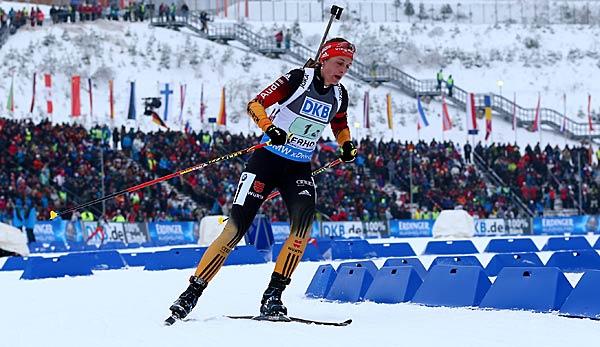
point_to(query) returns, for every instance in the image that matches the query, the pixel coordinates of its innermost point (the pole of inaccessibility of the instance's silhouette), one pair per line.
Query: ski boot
(187, 300)
(271, 307)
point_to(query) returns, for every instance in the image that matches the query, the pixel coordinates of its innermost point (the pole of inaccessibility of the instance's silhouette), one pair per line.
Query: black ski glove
(277, 135)
(349, 152)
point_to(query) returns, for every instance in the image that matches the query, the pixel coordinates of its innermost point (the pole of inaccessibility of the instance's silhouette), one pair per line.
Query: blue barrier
(15, 263)
(36, 247)
(399, 249)
(148, 244)
(532, 288)
(321, 282)
(350, 284)
(351, 249)
(55, 267)
(450, 247)
(511, 246)
(584, 300)
(75, 246)
(455, 286)
(500, 261)
(566, 243)
(113, 245)
(394, 284)
(597, 244)
(367, 264)
(100, 260)
(133, 245)
(137, 259)
(57, 246)
(311, 253)
(464, 260)
(414, 262)
(178, 258)
(575, 261)
(245, 255)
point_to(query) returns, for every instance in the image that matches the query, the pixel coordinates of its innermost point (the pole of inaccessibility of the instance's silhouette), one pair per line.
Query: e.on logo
(315, 109)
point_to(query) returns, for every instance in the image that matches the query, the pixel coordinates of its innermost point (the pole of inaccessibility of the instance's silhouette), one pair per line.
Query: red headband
(337, 49)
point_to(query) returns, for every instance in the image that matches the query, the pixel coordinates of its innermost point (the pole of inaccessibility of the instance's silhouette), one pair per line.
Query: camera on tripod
(150, 104)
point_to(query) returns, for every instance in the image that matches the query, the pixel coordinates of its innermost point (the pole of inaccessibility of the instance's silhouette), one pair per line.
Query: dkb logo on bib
(315, 109)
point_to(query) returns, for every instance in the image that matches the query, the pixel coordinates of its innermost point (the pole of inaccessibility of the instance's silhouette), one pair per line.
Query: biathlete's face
(334, 69)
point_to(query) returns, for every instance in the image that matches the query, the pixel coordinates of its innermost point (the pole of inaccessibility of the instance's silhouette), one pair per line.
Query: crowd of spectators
(548, 179)
(53, 167)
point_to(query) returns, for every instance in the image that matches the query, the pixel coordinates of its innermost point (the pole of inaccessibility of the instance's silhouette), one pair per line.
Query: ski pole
(54, 214)
(336, 12)
(314, 173)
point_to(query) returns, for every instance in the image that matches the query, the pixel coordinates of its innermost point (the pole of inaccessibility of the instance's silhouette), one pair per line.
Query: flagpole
(565, 116)
(540, 120)
(515, 115)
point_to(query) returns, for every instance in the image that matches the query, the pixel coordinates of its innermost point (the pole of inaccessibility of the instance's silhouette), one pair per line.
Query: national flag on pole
(514, 112)
(111, 99)
(446, 120)
(536, 120)
(590, 113)
(202, 105)
(222, 118)
(188, 127)
(48, 91)
(10, 103)
(156, 119)
(563, 126)
(471, 115)
(390, 116)
(366, 110)
(422, 118)
(91, 97)
(33, 94)
(166, 92)
(182, 90)
(487, 102)
(75, 96)
(131, 112)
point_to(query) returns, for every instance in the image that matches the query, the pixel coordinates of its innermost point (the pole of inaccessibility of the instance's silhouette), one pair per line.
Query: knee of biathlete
(250, 194)
(300, 198)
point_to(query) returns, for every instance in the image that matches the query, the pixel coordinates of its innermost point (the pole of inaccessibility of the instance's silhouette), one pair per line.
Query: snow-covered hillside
(477, 57)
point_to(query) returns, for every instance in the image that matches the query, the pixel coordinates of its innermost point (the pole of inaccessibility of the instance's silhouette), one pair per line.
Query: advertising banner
(177, 232)
(410, 228)
(58, 230)
(561, 225)
(497, 226)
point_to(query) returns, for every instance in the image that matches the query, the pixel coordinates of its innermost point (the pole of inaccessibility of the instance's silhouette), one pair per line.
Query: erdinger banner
(561, 225)
(58, 230)
(281, 230)
(172, 231)
(410, 228)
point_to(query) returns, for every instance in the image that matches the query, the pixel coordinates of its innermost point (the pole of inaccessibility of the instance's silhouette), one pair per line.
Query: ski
(171, 320)
(287, 319)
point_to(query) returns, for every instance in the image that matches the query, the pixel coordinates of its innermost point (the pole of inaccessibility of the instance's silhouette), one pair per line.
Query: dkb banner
(497, 226)
(171, 231)
(342, 229)
(560, 225)
(410, 228)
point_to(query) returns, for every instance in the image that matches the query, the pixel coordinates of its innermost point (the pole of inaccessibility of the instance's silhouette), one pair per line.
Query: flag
(366, 110)
(487, 102)
(33, 95)
(563, 126)
(222, 118)
(156, 119)
(390, 116)
(590, 113)
(446, 120)
(131, 112)
(202, 105)
(471, 115)
(514, 115)
(182, 89)
(422, 117)
(166, 92)
(91, 97)
(111, 99)
(10, 103)
(48, 90)
(75, 97)
(188, 127)
(536, 120)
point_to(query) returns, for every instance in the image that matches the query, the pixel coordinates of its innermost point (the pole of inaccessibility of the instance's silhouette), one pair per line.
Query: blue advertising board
(561, 225)
(171, 231)
(410, 228)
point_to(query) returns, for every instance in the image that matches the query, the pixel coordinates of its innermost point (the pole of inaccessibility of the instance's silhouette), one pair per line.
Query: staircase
(492, 179)
(224, 32)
